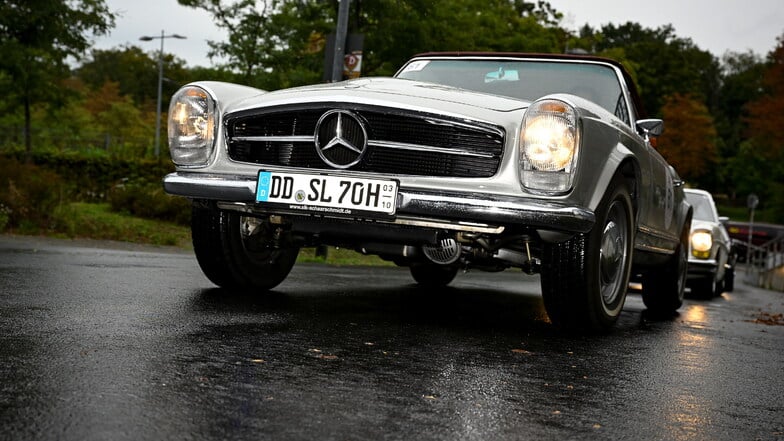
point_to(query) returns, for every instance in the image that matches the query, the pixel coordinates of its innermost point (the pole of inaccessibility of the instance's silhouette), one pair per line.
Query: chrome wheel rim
(613, 253)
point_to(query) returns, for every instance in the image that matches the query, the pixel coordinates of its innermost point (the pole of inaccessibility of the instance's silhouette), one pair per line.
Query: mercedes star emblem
(341, 138)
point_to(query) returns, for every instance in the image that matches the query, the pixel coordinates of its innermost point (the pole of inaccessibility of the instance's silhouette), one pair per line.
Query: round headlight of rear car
(701, 244)
(191, 126)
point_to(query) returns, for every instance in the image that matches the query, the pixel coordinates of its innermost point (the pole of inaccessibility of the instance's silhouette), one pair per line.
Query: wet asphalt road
(100, 343)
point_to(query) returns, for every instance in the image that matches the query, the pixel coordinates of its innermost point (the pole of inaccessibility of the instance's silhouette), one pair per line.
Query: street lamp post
(160, 87)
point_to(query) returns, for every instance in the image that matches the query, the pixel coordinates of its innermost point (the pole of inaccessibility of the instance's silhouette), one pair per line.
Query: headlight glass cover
(549, 141)
(701, 244)
(191, 126)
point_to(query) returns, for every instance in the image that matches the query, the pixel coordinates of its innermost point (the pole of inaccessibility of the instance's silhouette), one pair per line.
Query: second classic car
(487, 161)
(711, 253)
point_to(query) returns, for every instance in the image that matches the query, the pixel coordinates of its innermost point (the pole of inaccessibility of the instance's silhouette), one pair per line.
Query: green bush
(29, 194)
(91, 175)
(97, 221)
(148, 200)
(31, 190)
(5, 216)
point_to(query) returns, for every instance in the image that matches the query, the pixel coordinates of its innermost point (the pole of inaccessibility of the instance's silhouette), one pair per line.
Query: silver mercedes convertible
(486, 161)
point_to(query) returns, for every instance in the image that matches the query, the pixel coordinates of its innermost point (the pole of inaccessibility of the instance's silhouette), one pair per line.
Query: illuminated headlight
(191, 126)
(549, 146)
(701, 244)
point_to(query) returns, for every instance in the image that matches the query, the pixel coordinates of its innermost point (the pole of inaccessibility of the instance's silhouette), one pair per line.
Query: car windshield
(703, 206)
(524, 79)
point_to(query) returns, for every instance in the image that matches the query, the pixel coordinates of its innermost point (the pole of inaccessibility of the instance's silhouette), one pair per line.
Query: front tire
(233, 251)
(585, 279)
(729, 279)
(705, 288)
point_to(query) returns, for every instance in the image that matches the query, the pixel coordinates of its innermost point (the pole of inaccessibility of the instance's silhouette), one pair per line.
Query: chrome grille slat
(274, 138)
(422, 147)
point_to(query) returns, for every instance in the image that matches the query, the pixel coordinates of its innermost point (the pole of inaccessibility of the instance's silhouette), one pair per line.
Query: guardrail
(765, 264)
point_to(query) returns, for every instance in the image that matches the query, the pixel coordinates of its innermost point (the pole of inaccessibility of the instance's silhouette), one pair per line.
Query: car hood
(393, 92)
(697, 224)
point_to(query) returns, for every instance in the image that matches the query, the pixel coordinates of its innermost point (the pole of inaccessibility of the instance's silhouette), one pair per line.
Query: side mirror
(650, 129)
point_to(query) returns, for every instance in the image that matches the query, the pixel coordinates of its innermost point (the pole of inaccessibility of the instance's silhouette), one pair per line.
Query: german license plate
(327, 194)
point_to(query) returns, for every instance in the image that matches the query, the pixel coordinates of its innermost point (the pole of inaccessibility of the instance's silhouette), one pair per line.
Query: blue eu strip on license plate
(327, 193)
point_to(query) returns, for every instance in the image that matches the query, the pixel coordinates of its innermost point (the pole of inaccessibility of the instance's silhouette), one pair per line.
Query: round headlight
(701, 241)
(549, 142)
(191, 126)
(548, 145)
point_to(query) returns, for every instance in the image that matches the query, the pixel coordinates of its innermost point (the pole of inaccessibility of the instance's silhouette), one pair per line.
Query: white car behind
(711, 268)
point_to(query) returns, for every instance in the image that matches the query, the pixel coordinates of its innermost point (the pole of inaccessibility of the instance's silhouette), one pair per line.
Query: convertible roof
(548, 56)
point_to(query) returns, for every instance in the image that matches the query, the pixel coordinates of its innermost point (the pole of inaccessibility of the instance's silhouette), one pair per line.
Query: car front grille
(398, 142)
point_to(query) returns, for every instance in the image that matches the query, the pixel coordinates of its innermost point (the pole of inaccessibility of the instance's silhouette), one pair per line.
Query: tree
(666, 64)
(36, 39)
(395, 30)
(689, 138)
(135, 73)
(741, 83)
(765, 118)
(122, 127)
(766, 113)
(749, 172)
(267, 39)
(280, 43)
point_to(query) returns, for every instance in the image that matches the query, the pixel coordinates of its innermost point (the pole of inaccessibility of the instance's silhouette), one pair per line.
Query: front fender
(604, 152)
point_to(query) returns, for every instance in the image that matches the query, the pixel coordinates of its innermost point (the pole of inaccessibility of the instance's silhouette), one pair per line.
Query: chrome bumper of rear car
(700, 268)
(414, 207)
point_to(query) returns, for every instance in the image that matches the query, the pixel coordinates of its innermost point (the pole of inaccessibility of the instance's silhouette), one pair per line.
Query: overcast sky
(713, 25)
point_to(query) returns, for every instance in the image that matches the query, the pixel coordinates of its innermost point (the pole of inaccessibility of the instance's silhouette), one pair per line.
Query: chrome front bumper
(422, 206)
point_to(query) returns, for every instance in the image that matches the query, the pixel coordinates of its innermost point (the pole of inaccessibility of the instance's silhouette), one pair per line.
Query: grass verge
(97, 221)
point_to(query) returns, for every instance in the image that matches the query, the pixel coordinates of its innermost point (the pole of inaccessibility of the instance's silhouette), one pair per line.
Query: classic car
(711, 268)
(459, 161)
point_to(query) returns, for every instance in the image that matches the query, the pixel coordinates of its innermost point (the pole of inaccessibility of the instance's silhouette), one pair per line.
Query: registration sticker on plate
(327, 194)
